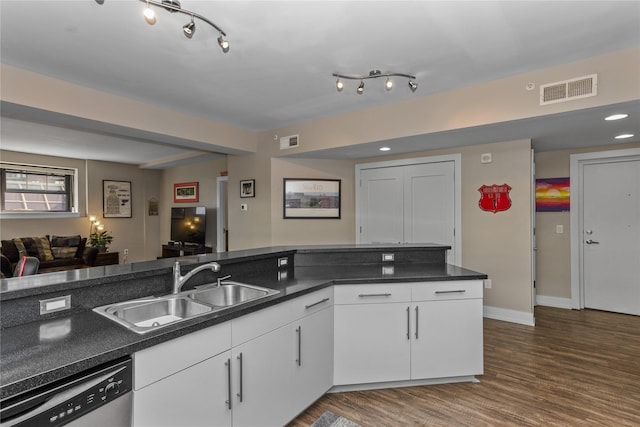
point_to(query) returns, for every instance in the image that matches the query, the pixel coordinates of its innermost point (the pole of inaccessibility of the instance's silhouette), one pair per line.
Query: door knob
(592, 242)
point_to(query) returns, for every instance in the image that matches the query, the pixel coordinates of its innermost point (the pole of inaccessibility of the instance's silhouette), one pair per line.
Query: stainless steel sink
(148, 314)
(145, 315)
(229, 294)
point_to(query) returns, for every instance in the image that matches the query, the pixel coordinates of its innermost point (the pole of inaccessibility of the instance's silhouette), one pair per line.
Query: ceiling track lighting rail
(374, 74)
(190, 27)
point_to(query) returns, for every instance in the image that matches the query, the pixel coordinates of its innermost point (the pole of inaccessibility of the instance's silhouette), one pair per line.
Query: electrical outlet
(244, 207)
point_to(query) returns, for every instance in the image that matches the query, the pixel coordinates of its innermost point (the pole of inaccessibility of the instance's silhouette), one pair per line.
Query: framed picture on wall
(116, 199)
(248, 188)
(185, 192)
(311, 198)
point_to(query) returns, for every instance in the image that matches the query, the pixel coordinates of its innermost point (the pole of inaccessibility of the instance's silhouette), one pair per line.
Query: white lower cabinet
(196, 396)
(371, 343)
(185, 381)
(434, 332)
(313, 358)
(262, 380)
(449, 341)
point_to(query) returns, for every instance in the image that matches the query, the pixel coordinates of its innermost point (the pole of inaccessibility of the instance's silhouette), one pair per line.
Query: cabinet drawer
(258, 323)
(372, 293)
(459, 289)
(313, 302)
(160, 361)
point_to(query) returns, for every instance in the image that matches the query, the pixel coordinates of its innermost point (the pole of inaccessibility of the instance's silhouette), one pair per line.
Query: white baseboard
(556, 302)
(513, 316)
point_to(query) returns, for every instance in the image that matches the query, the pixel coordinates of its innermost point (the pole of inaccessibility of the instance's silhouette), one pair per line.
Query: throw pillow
(65, 246)
(35, 246)
(22, 251)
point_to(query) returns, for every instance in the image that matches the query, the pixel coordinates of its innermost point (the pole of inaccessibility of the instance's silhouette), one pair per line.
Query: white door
(409, 204)
(381, 205)
(611, 236)
(429, 203)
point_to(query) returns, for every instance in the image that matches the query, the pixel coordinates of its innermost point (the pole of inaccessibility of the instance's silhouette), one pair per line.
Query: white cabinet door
(447, 339)
(371, 343)
(313, 358)
(196, 396)
(261, 379)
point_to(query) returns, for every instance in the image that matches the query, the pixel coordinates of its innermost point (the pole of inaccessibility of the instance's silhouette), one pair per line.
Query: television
(189, 225)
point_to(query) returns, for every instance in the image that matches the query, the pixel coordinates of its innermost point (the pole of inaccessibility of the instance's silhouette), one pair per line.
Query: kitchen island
(39, 350)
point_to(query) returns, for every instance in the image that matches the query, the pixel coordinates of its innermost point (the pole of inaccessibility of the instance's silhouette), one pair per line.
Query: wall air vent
(568, 90)
(291, 141)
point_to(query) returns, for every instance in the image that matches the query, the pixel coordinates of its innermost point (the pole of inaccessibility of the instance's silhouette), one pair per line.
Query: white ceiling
(278, 69)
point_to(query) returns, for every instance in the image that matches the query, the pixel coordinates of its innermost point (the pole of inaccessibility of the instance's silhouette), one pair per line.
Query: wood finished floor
(574, 368)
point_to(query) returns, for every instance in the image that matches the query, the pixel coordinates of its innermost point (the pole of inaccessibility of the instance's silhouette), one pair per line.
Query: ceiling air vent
(581, 87)
(289, 142)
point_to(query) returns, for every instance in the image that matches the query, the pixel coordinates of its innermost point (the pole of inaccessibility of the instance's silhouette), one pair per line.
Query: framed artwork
(185, 192)
(553, 195)
(311, 198)
(116, 199)
(248, 188)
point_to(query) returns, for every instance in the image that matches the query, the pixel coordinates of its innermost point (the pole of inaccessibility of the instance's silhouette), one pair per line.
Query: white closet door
(381, 205)
(429, 203)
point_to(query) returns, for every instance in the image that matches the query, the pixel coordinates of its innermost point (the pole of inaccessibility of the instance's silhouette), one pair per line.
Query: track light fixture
(224, 44)
(188, 29)
(374, 74)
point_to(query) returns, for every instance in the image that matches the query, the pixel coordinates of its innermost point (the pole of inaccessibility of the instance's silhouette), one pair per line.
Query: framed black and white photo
(311, 198)
(248, 188)
(116, 199)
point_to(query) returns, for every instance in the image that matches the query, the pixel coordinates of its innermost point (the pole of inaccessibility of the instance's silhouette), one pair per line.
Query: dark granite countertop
(42, 352)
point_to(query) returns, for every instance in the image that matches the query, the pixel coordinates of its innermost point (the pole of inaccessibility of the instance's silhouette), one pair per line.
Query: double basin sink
(148, 314)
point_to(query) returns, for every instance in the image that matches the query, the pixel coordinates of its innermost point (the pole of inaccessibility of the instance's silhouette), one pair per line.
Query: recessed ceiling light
(625, 136)
(385, 148)
(616, 117)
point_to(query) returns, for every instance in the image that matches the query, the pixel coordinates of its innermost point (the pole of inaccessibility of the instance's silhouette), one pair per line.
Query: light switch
(559, 229)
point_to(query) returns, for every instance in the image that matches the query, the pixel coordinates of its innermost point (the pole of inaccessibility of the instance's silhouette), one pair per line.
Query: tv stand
(172, 251)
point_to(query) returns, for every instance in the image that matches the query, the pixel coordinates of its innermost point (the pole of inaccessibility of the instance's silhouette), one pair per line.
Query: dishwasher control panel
(64, 402)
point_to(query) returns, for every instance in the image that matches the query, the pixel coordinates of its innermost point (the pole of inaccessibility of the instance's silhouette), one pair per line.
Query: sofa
(56, 253)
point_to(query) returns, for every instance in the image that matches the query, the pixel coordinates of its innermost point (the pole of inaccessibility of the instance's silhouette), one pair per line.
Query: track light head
(413, 86)
(100, 1)
(149, 15)
(389, 84)
(224, 44)
(360, 89)
(189, 29)
(339, 85)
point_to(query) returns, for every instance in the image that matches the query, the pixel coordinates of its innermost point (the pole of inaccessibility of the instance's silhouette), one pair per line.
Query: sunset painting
(552, 195)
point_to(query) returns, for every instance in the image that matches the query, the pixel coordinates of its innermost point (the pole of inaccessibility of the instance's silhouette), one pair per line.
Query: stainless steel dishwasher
(98, 397)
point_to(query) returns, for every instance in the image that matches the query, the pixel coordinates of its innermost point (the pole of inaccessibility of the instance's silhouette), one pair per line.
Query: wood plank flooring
(574, 368)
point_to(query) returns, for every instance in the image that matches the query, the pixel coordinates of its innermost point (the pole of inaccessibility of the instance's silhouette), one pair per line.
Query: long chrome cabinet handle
(416, 322)
(228, 365)
(316, 303)
(299, 332)
(408, 323)
(239, 394)
(374, 295)
(457, 291)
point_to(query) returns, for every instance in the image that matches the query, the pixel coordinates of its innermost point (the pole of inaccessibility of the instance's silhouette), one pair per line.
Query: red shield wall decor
(494, 198)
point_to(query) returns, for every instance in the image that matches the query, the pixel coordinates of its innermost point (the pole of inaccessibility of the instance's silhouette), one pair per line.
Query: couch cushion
(10, 251)
(66, 246)
(34, 246)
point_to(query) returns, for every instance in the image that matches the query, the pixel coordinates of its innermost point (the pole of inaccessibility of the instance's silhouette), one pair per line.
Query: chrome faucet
(179, 280)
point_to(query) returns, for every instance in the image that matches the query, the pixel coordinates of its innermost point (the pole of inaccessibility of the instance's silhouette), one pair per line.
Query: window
(29, 189)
